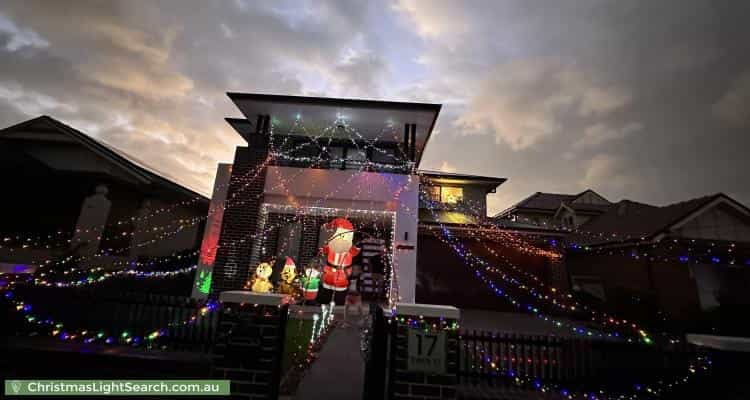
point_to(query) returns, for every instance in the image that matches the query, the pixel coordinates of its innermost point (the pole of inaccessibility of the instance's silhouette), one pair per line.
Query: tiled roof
(550, 202)
(545, 201)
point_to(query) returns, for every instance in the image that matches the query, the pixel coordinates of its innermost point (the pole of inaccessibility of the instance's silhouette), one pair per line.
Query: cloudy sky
(646, 100)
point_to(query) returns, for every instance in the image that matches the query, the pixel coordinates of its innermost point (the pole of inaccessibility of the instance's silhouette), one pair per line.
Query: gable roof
(544, 201)
(630, 219)
(551, 202)
(131, 165)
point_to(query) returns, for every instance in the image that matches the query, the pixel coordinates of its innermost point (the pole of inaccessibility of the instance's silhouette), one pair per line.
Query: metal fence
(139, 313)
(496, 358)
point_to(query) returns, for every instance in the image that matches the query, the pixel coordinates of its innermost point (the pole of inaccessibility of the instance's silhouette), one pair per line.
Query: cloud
(734, 106)
(539, 92)
(597, 101)
(608, 173)
(29, 102)
(227, 31)
(600, 133)
(524, 102)
(434, 18)
(18, 38)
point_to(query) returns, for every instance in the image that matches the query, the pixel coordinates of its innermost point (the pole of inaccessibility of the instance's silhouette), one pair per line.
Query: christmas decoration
(310, 281)
(339, 253)
(287, 283)
(124, 337)
(260, 282)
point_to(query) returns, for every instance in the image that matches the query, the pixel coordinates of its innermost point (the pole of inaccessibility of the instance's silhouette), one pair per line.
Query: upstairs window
(451, 195)
(433, 193)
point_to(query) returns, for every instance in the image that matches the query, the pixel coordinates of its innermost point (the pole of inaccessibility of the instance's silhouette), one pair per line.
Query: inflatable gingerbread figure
(339, 253)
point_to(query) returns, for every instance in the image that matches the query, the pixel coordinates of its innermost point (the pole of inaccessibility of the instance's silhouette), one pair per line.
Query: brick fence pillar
(250, 343)
(424, 352)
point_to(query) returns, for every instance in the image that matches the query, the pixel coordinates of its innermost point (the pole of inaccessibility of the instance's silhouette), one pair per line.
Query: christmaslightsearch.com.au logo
(146, 387)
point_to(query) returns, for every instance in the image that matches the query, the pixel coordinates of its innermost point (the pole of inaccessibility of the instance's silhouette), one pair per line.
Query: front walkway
(338, 373)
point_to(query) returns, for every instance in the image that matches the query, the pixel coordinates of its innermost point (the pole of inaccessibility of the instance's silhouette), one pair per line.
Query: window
(451, 195)
(354, 154)
(384, 156)
(433, 193)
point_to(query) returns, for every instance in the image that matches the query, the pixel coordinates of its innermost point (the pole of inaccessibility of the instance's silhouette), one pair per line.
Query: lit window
(451, 195)
(433, 194)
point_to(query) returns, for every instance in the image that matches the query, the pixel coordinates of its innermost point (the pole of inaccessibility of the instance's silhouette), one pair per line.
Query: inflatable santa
(339, 253)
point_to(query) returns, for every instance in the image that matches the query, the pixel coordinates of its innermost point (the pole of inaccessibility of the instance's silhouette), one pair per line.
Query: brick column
(250, 343)
(429, 372)
(240, 219)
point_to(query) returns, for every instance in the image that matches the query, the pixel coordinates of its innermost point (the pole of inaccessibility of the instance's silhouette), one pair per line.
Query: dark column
(240, 220)
(413, 143)
(407, 137)
(250, 343)
(429, 372)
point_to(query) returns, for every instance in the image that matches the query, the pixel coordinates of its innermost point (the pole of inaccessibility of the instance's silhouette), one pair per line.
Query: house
(683, 259)
(70, 196)
(455, 198)
(556, 210)
(309, 160)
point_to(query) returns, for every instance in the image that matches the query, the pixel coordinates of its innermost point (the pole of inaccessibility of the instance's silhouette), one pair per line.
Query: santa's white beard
(340, 245)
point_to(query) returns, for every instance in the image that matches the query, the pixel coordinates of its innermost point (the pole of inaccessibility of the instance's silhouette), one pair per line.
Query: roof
(242, 126)
(449, 177)
(630, 219)
(550, 203)
(374, 120)
(129, 163)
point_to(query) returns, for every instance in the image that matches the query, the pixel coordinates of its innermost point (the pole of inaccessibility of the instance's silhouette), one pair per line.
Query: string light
(125, 336)
(479, 266)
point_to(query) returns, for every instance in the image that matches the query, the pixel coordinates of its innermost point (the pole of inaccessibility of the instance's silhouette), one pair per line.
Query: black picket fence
(492, 358)
(112, 312)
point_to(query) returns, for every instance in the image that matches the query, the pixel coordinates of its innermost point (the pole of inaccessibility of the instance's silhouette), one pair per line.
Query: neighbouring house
(458, 204)
(69, 195)
(678, 261)
(455, 198)
(556, 210)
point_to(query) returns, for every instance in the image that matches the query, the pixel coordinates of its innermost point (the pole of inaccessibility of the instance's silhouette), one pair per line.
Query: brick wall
(249, 349)
(240, 217)
(415, 385)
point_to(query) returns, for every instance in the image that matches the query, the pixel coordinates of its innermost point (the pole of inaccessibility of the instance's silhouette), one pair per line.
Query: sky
(644, 100)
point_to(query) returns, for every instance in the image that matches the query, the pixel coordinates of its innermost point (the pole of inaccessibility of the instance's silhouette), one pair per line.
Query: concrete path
(338, 373)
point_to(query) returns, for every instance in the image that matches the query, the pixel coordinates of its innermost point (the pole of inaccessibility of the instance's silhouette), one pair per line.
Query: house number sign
(426, 351)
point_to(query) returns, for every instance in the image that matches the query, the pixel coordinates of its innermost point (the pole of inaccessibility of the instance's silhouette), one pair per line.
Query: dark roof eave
(139, 171)
(492, 182)
(332, 101)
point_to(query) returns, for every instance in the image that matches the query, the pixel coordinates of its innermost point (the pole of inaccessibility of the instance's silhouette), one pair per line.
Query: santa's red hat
(340, 223)
(289, 262)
